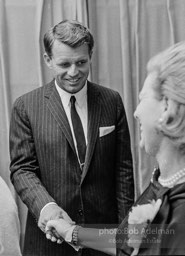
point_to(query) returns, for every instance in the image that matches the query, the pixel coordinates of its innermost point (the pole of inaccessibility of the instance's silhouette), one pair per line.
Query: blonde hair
(170, 68)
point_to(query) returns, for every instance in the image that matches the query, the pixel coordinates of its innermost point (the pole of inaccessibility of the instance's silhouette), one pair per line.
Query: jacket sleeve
(124, 166)
(24, 166)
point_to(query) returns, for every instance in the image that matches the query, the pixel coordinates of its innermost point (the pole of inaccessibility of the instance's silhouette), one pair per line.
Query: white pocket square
(106, 130)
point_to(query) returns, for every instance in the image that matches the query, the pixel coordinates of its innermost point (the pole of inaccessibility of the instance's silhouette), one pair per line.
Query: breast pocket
(103, 131)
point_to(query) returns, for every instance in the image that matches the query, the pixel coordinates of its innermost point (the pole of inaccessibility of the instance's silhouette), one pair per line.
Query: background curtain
(127, 33)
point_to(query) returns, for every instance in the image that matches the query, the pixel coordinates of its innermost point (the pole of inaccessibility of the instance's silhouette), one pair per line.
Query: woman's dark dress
(166, 233)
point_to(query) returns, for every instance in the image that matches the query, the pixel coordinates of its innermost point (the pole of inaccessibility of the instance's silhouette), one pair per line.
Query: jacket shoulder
(104, 90)
(34, 95)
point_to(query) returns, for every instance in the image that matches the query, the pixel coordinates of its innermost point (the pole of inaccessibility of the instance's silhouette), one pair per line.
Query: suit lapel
(56, 108)
(94, 112)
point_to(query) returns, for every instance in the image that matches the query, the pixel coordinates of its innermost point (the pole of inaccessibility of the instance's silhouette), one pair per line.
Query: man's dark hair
(69, 32)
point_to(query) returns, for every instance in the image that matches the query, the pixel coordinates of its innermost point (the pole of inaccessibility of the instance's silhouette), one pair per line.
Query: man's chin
(74, 88)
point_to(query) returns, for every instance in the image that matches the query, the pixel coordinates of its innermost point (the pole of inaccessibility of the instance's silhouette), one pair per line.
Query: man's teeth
(73, 80)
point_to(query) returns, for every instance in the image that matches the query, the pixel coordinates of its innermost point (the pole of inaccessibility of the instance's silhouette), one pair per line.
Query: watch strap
(75, 235)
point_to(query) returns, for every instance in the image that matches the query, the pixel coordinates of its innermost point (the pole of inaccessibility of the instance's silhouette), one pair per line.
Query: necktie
(78, 132)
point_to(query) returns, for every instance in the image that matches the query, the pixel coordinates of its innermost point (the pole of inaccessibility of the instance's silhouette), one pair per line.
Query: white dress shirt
(81, 108)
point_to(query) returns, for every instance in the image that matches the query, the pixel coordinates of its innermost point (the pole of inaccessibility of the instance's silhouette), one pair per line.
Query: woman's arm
(98, 239)
(103, 240)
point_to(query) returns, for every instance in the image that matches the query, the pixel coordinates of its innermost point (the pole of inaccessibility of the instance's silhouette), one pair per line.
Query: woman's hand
(61, 227)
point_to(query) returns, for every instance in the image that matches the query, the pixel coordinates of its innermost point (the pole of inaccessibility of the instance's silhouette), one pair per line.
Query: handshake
(56, 224)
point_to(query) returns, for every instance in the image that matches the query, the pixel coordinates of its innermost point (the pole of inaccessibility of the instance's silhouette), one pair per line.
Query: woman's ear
(170, 112)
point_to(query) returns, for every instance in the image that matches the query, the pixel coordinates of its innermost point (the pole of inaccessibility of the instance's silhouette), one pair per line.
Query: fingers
(51, 225)
(55, 225)
(50, 236)
(54, 239)
(53, 236)
(59, 241)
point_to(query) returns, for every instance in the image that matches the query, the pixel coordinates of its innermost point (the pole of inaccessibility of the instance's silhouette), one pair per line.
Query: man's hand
(52, 212)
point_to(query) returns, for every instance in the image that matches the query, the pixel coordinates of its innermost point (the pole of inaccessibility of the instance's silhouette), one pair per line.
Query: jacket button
(80, 212)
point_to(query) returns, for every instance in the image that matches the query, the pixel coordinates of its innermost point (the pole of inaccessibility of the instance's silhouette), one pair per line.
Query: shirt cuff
(46, 206)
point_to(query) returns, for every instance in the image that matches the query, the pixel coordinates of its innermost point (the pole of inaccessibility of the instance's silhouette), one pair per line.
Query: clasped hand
(60, 227)
(53, 212)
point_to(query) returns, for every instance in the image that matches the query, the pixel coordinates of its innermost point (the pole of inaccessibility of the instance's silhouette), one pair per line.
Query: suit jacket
(44, 165)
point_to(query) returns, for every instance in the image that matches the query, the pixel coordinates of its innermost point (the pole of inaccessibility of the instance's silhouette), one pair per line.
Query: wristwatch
(75, 235)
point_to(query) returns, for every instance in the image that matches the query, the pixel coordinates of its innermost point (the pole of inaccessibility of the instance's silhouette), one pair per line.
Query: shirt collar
(80, 96)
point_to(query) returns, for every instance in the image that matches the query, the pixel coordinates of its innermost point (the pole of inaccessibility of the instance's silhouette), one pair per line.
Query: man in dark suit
(70, 146)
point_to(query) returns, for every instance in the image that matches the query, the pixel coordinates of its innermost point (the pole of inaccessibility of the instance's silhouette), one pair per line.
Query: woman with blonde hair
(155, 224)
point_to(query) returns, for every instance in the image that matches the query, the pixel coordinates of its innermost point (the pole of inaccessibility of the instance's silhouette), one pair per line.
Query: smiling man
(70, 146)
(70, 66)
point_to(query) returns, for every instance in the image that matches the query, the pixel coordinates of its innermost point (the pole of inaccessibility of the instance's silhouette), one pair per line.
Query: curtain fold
(129, 55)
(39, 54)
(5, 97)
(170, 22)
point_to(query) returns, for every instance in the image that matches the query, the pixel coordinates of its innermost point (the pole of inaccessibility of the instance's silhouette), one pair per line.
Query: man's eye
(65, 65)
(81, 63)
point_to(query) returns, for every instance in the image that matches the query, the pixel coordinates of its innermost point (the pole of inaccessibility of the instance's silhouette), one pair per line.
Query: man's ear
(90, 54)
(47, 60)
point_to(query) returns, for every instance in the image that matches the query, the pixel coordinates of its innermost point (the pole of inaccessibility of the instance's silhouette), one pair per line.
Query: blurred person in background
(9, 223)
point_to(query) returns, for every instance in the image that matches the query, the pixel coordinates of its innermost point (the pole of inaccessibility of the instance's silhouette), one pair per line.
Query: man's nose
(73, 70)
